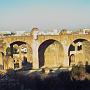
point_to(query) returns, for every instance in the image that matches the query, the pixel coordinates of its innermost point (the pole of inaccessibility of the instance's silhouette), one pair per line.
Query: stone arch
(13, 43)
(24, 50)
(50, 54)
(79, 48)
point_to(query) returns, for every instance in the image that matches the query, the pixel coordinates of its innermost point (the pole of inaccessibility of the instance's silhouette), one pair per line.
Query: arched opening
(71, 59)
(51, 54)
(79, 51)
(24, 62)
(20, 51)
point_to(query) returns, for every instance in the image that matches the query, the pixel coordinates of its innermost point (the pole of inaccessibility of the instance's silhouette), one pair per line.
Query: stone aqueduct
(47, 50)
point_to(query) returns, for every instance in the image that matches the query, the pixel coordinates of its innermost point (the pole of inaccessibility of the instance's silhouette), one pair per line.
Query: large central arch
(51, 54)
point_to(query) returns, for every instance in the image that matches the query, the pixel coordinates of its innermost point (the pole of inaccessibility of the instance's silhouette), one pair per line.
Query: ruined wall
(55, 54)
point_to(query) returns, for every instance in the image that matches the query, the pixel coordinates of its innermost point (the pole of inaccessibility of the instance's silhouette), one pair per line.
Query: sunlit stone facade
(44, 50)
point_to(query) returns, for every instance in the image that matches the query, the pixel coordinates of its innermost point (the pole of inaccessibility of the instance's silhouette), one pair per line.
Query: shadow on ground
(58, 80)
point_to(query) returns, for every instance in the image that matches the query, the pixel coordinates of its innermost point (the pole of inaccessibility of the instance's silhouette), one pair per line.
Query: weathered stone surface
(48, 50)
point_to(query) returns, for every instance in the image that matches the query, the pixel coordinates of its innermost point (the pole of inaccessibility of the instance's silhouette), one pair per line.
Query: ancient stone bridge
(43, 51)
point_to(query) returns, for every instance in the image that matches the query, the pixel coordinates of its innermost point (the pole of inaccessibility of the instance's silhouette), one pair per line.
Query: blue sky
(44, 14)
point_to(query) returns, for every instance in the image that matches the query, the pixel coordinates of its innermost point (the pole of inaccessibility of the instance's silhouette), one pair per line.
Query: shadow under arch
(72, 47)
(43, 46)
